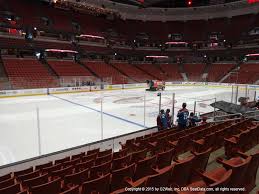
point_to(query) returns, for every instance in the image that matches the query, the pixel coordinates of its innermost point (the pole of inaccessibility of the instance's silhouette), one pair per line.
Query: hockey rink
(62, 121)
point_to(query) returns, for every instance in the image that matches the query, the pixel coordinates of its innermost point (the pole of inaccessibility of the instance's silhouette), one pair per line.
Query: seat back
(99, 170)
(53, 187)
(10, 189)
(29, 175)
(103, 159)
(60, 161)
(161, 179)
(104, 153)
(84, 165)
(121, 162)
(251, 172)
(144, 167)
(62, 172)
(5, 177)
(101, 185)
(181, 171)
(7, 183)
(73, 190)
(77, 178)
(21, 172)
(118, 176)
(41, 166)
(201, 159)
(223, 182)
(36, 181)
(94, 151)
(238, 172)
(165, 158)
(139, 155)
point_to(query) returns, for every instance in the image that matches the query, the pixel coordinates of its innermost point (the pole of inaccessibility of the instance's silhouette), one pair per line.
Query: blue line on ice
(105, 113)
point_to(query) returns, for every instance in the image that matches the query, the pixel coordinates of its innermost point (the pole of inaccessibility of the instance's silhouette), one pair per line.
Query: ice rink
(68, 120)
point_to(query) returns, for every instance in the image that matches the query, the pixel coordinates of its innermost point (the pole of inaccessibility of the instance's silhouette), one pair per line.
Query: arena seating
(150, 160)
(153, 69)
(218, 70)
(28, 73)
(68, 68)
(106, 71)
(194, 71)
(172, 71)
(247, 73)
(133, 72)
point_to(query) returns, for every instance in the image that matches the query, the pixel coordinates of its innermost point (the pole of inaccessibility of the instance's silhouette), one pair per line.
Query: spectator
(204, 121)
(193, 120)
(168, 118)
(161, 120)
(182, 117)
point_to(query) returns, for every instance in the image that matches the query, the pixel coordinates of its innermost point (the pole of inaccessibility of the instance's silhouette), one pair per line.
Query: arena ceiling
(172, 3)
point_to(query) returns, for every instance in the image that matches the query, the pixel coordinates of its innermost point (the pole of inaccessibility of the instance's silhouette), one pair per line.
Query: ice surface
(68, 120)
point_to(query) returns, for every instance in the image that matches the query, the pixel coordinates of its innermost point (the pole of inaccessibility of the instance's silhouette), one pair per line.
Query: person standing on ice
(183, 117)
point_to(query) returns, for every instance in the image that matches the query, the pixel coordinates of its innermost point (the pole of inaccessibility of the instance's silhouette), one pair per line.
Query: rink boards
(63, 90)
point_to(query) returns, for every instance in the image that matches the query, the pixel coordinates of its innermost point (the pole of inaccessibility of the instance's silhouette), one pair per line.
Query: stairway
(86, 67)
(144, 71)
(4, 80)
(235, 69)
(130, 79)
(49, 68)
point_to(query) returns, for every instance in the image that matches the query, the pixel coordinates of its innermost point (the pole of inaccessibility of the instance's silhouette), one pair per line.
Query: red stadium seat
(119, 176)
(53, 187)
(73, 190)
(101, 185)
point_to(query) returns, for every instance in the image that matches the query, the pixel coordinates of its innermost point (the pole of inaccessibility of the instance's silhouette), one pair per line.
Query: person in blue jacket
(162, 120)
(193, 119)
(183, 115)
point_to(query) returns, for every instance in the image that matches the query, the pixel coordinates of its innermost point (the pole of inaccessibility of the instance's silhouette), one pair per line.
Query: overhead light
(161, 57)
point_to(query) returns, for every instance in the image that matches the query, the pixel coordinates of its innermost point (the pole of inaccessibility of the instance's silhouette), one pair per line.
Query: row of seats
(104, 70)
(247, 73)
(61, 20)
(142, 162)
(68, 68)
(28, 73)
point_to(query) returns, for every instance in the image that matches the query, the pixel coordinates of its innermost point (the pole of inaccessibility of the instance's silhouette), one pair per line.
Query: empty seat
(78, 156)
(7, 183)
(13, 189)
(76, 178)
(36, 181)
(103, 159)
(41, 166)
(29, 175)
(100, 170)
(94, 151)
(164, 158)
(73, 190)
(53, 187)
(21, 172)
(145, 167)
(62, 172)
(84, 165)
(181, 170)
(60, 161)
(121, 162)
(5, 177)
(118, 177)
(104, 153)
(101, 185)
